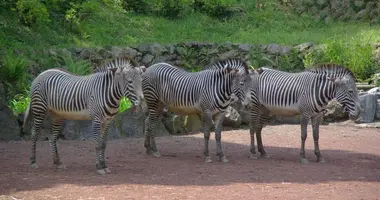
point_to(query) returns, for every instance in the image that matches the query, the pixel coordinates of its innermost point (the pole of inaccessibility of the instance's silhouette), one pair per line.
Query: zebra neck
(115, 93)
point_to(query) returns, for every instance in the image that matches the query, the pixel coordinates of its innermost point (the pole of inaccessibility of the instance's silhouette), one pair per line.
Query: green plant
(19, 104)
(125, 104)
(81, 67)
(170, 8)
(216, 8)
(13, 73)
(32, 11)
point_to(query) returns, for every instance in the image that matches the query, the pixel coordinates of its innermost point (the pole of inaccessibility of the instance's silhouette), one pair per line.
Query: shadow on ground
(350, 156)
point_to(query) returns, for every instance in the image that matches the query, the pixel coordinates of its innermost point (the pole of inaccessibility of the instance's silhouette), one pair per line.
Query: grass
(100, 26)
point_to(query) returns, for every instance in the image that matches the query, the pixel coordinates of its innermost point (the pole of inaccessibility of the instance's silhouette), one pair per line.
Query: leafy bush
(13, 73)
(19, 104)
(170, 8)
(216, 8)
(81, 67)
(357, 55)
(125, 104)
(32, 11)
(136, 6)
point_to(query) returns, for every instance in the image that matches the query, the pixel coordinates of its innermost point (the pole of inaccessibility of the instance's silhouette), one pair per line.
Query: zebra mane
(332, 69)
(123, 61)
(234, 63)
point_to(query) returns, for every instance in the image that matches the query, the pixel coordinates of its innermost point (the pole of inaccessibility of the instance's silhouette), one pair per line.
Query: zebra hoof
(101, 172)
(34, 166)
(107, 170)
(321, 160)
(264, 156)
(253, 157)
(156, 154)
(61, 167)
(208, 159)
(304, 161)
(223, 159)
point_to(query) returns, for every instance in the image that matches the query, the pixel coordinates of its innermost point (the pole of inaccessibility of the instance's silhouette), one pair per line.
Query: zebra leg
(252, 134)
(304, 121)
(103, 140)
(150, 125)
(207, 121)
(36, 128)
(54, 131)
(260, 146)
(219, 118)
(316, 121)
(96, 130)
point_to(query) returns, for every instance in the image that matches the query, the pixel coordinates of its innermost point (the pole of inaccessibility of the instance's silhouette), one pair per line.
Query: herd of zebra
(207, 93)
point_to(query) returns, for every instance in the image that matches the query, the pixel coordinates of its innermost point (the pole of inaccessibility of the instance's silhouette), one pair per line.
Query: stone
(193, 123)
(174, 124)
(82, 130)
(143, 48)
(374, 90)
(228, 54)
(362, 14)
(180, 50)
(104, 53)
(157, 50)
(64, 53)
(116, 51)
(334, 112)
(359, 4)
(170, 48)
(85, 54)
(285, 50)
(274, 49)
(368, 102)
(147, 59)
(288, 120)
(377, 114)
(10, 129)
(52, 52)
(304, 46)
(244, 47)
(232, 118)
(130, 52)
(322, 3)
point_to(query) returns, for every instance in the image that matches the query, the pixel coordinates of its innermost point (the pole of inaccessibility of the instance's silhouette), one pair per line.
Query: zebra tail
(26, 118)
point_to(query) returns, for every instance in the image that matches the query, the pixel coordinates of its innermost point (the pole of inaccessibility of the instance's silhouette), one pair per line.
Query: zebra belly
(184, 110)
(73, 115)
(283, 111)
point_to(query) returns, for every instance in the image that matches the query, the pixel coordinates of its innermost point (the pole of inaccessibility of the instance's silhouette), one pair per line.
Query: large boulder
(8, 122)
(368, 102)
(334, 112)
(174, 124)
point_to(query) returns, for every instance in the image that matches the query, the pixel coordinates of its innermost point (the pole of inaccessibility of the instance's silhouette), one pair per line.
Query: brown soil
(351, 171)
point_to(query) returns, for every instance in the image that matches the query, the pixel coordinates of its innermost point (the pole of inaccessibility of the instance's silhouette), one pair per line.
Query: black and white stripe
(93, 97)
(206, 93)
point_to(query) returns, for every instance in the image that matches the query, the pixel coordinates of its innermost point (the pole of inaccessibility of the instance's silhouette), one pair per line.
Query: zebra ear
(113, 70)
(143, 68)
(231, 70)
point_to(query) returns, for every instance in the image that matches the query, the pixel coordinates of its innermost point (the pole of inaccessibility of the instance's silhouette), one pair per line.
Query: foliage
(216, 8)
(19, 104)
(125, 104)
(13, 73)
(290, 62)
(171, 8)
(32, 11)
(356, 54)
(81, 67)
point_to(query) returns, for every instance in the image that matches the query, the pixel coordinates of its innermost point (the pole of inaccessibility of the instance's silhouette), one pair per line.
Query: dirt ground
(351, 171)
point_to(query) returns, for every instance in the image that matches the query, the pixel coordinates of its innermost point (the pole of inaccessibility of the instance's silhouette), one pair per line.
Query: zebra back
(234, 63)
(124, 61)
(332, 69)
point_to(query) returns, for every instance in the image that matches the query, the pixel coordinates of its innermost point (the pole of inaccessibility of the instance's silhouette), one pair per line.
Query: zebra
(206, 93)
(304, 93)
(96, 97)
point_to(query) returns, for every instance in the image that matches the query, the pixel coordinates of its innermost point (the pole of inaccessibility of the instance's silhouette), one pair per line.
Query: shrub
(81, 67)
(357, 55)
(216, 8)
(19, 104)
(170, 8)
(13, 73)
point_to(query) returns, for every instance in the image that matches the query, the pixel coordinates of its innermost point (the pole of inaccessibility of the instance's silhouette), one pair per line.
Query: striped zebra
(206, 93)
(305, 93)
(95, 97)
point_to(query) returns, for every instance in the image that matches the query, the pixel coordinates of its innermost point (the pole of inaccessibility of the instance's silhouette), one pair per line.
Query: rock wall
(344, 10)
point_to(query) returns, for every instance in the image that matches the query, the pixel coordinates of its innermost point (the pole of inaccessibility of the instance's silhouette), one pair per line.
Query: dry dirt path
(352, 170)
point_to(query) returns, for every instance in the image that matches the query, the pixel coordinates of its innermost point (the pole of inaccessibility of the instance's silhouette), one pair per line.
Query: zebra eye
(242, 83)
(130, 81)
(350, 91)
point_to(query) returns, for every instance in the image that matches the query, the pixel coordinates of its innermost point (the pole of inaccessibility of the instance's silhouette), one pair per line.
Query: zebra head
(346, 93)
(130, 83)
(247, 86)
(237, 77)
